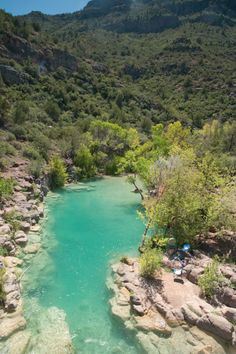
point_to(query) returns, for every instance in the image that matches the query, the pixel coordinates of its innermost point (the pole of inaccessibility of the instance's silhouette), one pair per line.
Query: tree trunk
(139, 190)
(145, 232)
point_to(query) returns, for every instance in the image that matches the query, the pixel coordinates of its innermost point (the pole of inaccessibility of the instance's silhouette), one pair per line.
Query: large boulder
(33, 248)
(21, 238)
(216, 325)
(230, 314)
(152, 322)
(10, 325)
(5, 229)
(228, 297)
(194, 275)
(12, 290)
(12, 262)
(25, 226)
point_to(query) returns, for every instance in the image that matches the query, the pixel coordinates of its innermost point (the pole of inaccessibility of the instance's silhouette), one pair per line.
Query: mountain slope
(106, 61)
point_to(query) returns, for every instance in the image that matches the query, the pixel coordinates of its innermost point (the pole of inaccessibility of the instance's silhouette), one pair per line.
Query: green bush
(2, 293)
(53, 110)
(210, 280)
(3, 251)
(31, 153)
(35, 168)
(84, 162)
(6, 187)
(6, 149)
(57, 172)
(150, 262)
(12, 218)
(21, 112)
(19, 132)
(3, 164)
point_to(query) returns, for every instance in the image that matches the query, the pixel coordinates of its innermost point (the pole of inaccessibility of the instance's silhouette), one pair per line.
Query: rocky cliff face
(19, 49)
(96, 8)
(151, 24)
(157, 15)
(12, 76)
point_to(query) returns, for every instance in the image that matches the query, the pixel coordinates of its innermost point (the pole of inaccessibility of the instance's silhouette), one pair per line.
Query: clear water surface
(88, 226)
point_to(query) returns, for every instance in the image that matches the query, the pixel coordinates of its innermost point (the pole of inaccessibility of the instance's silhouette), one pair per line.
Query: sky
(22, 7)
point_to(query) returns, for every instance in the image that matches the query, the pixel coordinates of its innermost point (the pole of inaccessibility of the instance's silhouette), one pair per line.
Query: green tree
(21, 113)
(183, 203)
(4, 108)
(53, 110)
(84, 161)
(57, 172)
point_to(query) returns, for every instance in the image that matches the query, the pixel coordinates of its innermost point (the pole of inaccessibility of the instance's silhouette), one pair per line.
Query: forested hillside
(135, 64)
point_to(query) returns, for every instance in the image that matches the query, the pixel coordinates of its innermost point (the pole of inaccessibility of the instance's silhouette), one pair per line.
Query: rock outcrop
(10, 325)
(170, 317)
(22, 212)
(11, 76)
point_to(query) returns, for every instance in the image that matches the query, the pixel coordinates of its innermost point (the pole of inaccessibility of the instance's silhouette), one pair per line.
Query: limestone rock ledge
(163, 323)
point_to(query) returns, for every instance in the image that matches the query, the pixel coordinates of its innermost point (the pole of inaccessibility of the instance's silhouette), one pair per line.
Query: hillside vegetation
(118, 87)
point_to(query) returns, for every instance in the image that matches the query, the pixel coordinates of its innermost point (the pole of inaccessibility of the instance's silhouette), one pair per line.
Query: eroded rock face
(18, 47)
(10, 325)
(228, 297)
(152, 322)
(217, 325)
(12, 291)
(230, 314)
(206, 317)
(14, 47)
(11, 76)
(29, 210)
(55, 58)
(148, 307)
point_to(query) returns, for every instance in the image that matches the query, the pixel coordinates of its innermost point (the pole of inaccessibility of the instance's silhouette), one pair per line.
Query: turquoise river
(87, 227)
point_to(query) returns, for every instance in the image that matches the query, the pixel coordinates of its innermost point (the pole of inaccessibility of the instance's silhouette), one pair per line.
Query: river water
(87, 227)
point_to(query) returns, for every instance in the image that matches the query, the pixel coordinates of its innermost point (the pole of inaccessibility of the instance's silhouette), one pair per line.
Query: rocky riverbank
(171, 317)
(19, 241)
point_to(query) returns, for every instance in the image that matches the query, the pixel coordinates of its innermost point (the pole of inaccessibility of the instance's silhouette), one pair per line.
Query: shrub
(21, 112)
(12, 218)
(31, 153)
(6, 187)
(6, 149)
(35, 168)
(57, 172)
(210, 280)
(19, 132)
(84, 162)
(150, 262)
(53, 110)
(3, 251)
(2, 293)
(3, 164)
(124, 260)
